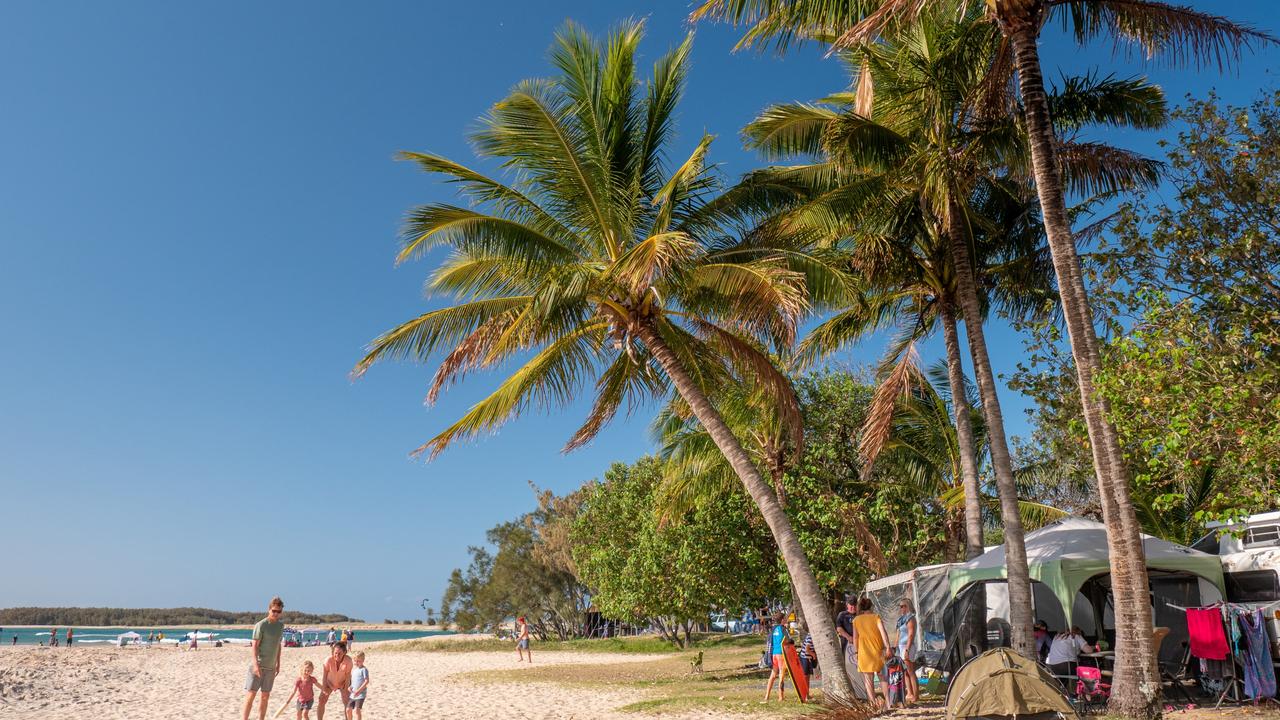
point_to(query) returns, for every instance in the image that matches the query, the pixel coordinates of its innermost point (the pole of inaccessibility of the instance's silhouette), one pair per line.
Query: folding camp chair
(1090, 689)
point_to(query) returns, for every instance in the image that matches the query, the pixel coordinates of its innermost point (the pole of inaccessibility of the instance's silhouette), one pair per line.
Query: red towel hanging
(1204, 626)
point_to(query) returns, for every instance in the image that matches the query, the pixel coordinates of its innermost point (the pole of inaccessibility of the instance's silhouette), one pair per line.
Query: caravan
(1250, 554)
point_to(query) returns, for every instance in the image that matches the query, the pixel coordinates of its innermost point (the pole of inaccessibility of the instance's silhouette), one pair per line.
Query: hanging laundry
(1259, 675)
(1204, 628)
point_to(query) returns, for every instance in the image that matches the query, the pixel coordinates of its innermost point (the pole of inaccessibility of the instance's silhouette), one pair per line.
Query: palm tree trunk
(1136, 683)
(964, 433)
(1021, 614)
(821, 625)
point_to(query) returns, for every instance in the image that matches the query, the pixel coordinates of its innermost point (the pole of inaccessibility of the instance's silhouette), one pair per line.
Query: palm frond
(1180, 35)
(879, 423)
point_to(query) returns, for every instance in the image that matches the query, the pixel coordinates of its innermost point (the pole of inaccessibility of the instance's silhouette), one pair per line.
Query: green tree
(1190, 367)
(597, 262)
(670, 574)
(1178, 33)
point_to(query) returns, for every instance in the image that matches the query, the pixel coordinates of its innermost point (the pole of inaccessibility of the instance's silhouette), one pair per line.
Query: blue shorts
(355, 704)
(306, 704)
(523, 643)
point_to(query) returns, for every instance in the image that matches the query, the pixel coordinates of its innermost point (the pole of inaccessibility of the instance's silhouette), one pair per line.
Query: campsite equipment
(795, 670)
(1001, 682)
(1069, 564)
(1089, 686)
(929, 590)
(895, 675)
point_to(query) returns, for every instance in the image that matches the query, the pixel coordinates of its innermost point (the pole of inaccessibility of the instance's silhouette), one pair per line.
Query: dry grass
(730, 681)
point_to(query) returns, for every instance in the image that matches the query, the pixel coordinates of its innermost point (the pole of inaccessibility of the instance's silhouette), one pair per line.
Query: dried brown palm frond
(879, 424)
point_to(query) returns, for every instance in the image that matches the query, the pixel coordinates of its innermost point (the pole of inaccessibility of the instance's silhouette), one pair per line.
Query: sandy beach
(155, 683)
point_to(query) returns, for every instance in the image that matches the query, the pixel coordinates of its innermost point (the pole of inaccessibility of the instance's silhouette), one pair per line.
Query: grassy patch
(730, 681)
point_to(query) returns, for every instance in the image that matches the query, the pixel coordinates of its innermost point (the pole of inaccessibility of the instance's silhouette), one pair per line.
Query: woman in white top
(1065, 651)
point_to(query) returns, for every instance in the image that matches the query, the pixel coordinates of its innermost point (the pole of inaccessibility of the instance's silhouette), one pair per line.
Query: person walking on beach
(268, 634)
(359, 688)
(522, 640)
(336, 676)
(69, 632)
(332, 639)
(776, 637)
(53, 637)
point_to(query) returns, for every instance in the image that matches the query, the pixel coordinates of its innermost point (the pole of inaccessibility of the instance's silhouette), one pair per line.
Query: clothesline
(1224, 605)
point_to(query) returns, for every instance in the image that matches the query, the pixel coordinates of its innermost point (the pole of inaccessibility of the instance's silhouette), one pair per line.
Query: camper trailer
(1250, 554)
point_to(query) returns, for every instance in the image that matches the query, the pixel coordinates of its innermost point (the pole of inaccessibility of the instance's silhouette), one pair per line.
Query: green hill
(142, 617)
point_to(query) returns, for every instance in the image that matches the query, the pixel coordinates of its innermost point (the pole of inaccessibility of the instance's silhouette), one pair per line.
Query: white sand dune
(153, 683)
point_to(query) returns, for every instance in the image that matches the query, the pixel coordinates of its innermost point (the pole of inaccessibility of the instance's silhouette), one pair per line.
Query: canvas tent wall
(929, 590)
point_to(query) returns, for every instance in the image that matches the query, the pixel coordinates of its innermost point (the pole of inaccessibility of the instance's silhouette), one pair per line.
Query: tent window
(1207, 544)
(1253, 586)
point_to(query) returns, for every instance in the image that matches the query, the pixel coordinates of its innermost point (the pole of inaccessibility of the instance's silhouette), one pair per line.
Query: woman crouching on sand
(337, 676)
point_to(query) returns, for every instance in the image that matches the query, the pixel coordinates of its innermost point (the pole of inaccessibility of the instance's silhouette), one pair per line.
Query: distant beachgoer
(872, 643)
(195, 635)
(906, 643)
(359, 688)
(69, 631)
(332, 639)
(351, 640)
(268, 634)
(336, 676)
(53, 637)
(151, 637)
(776, 637)
(15, 640)
(522, 640)
(304, 688)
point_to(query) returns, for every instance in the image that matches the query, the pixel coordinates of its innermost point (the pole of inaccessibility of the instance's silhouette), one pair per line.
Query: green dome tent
(1001, 683)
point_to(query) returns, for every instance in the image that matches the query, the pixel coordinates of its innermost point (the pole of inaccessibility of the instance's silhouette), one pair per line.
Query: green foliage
(144, 617)
(853, 528)
(1191, 365)
(640, 569)
(520, 576)
(1195, 383)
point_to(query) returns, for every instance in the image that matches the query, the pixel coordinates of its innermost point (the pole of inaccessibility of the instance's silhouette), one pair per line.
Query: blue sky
(198, 215)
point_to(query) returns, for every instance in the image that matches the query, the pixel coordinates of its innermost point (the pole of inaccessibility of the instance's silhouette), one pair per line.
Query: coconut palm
(933, 135)
(594, 264)
(1158, 29)
(924, 445)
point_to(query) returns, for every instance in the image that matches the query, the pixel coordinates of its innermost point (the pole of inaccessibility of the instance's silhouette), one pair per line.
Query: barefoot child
(359, 687)
(522, 640)
(304, 688)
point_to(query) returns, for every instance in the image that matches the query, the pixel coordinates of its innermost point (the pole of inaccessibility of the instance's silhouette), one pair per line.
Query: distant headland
(142, 617)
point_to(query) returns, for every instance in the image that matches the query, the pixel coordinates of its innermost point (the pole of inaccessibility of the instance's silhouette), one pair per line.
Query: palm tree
(1159, 29)
(1175, 32)
(936, 131)
(596, 262)
(923, 442)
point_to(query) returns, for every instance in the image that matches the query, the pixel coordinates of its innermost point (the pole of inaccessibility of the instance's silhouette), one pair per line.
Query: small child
(359, 687)
(303, 687)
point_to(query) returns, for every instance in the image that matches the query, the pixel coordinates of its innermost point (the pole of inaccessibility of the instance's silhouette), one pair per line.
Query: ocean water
(98, 636)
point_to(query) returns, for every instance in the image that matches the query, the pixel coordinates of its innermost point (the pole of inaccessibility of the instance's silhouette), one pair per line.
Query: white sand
(154, 683)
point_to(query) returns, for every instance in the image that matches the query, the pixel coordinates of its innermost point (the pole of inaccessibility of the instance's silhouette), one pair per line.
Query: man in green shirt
(267, 636)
